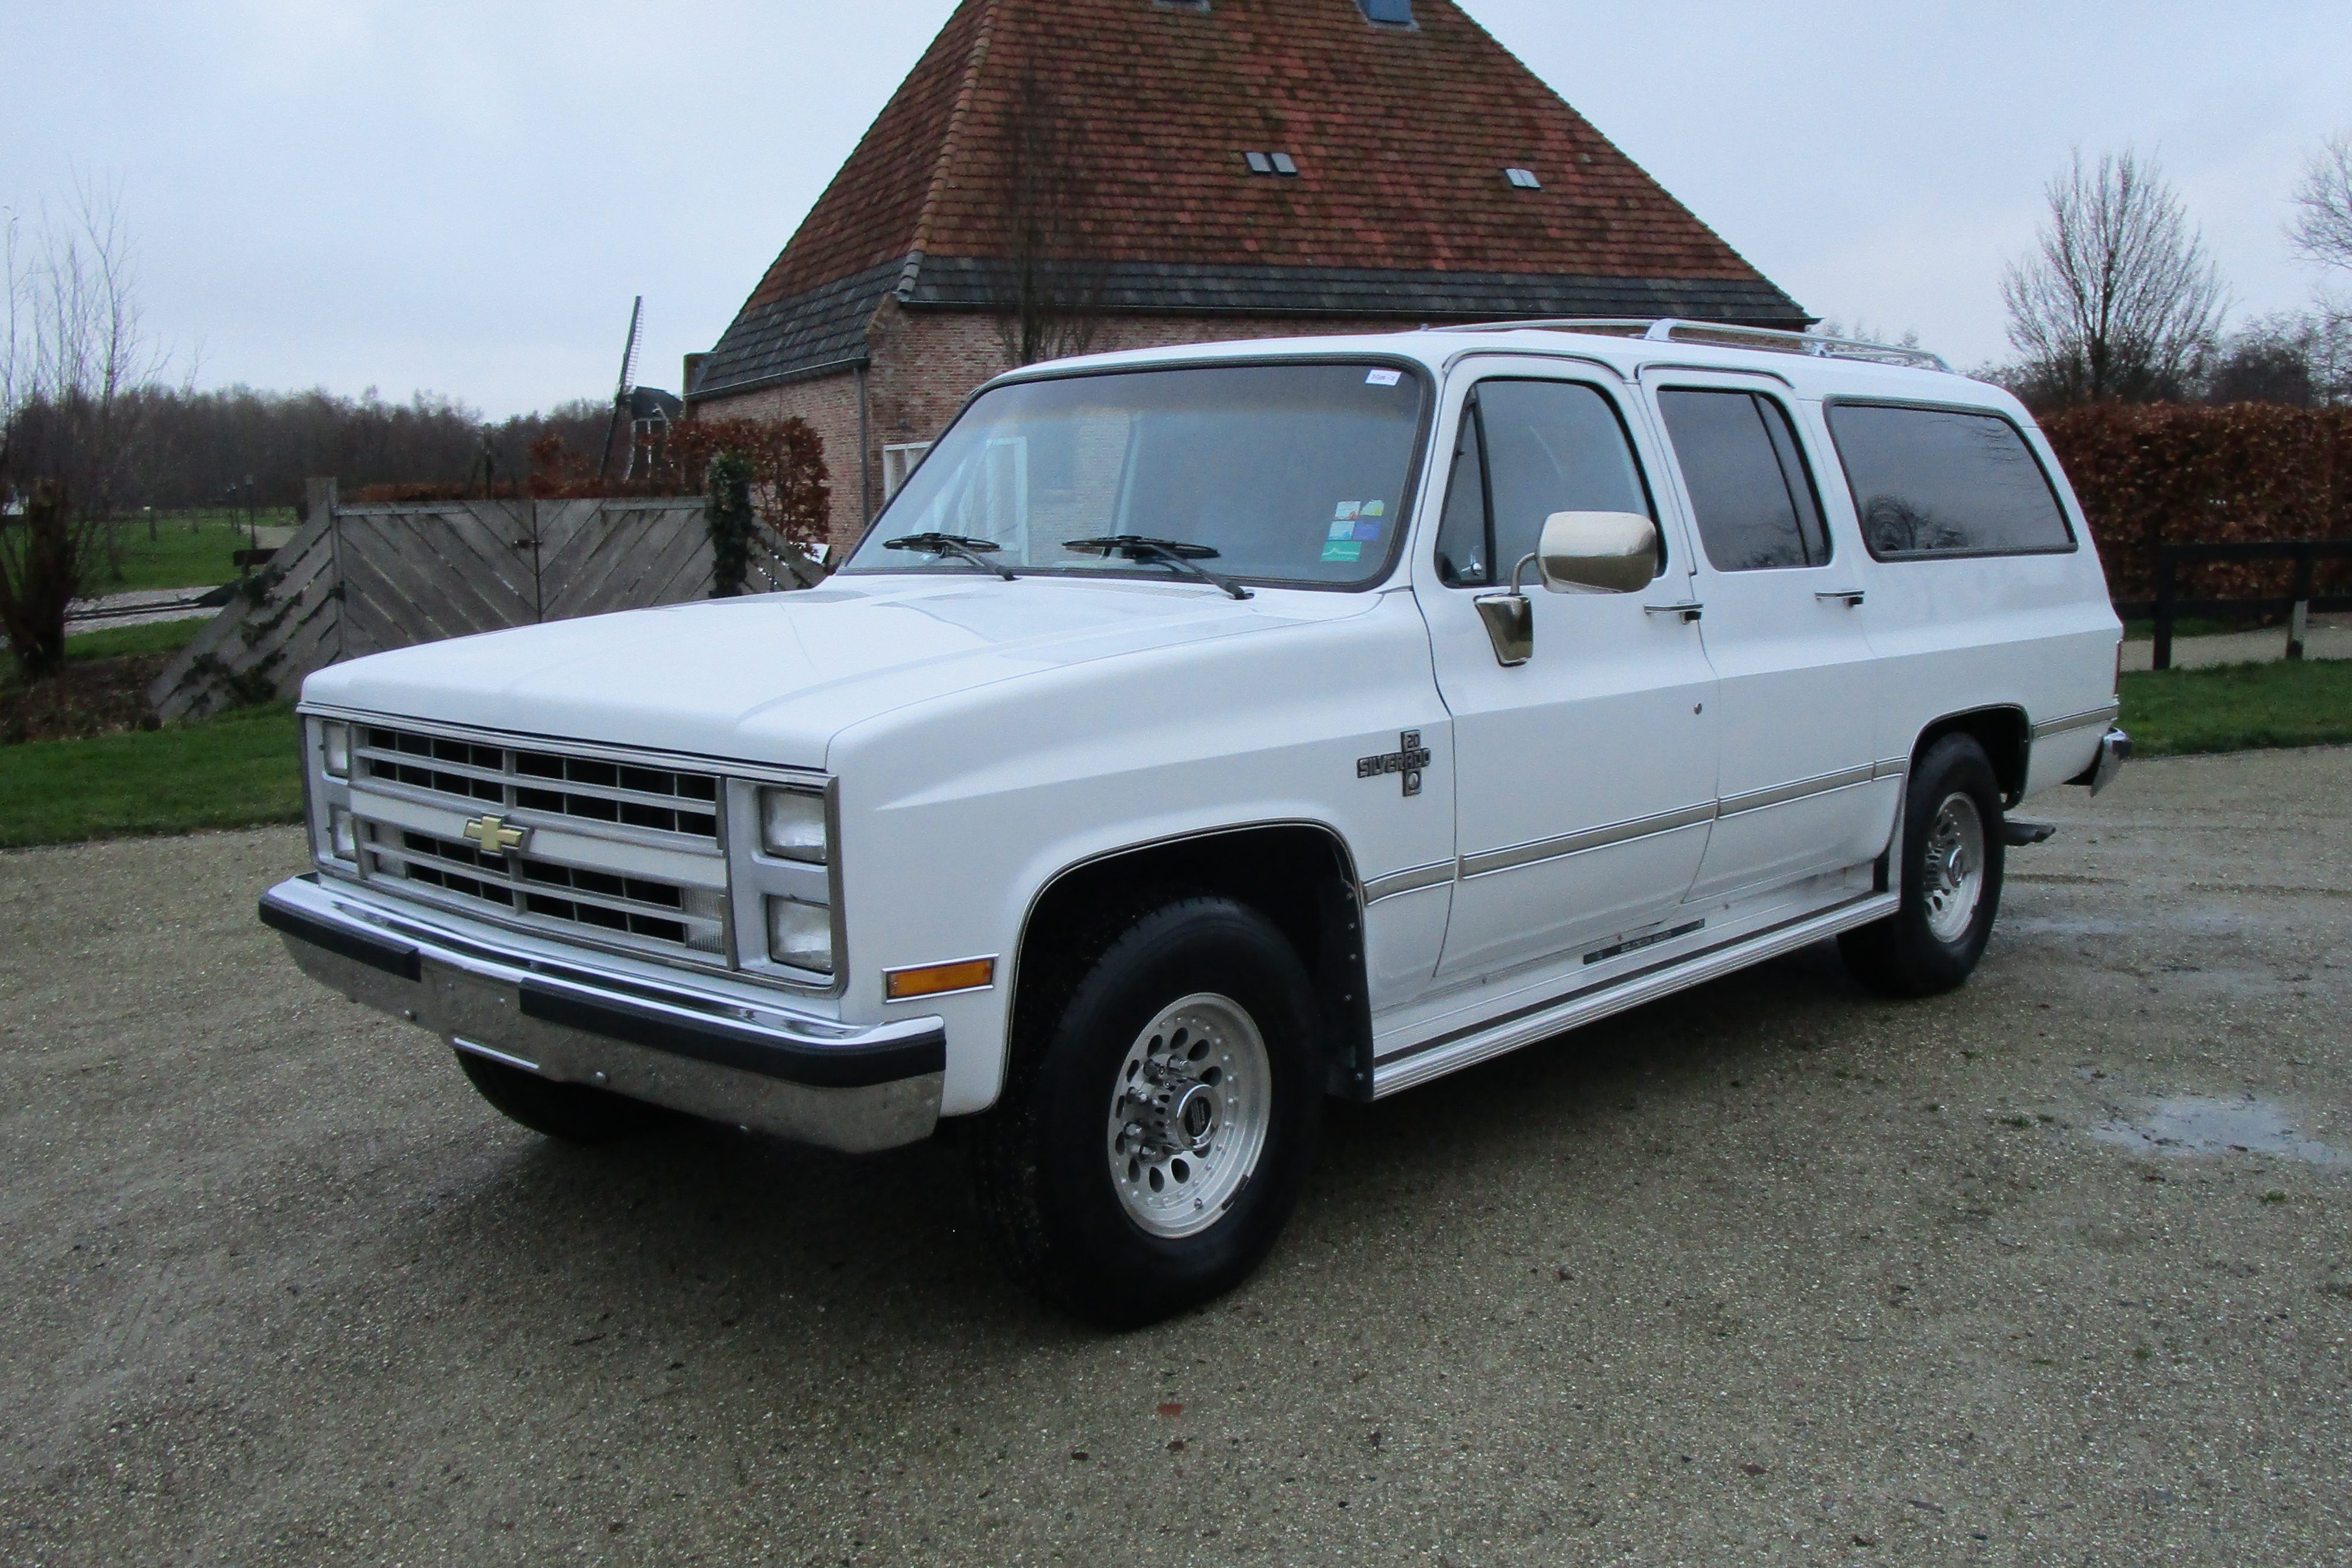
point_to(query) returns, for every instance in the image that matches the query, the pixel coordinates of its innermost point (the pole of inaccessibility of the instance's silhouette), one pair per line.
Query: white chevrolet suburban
(1202, 732)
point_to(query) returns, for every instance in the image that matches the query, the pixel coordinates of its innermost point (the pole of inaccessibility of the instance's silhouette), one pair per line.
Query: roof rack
(1670, 329)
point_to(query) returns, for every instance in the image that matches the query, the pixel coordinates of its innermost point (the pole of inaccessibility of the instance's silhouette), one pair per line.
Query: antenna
(620, 392)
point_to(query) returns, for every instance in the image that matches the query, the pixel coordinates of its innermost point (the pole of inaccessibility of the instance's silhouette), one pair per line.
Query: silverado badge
(1409, 758)
(493, 834)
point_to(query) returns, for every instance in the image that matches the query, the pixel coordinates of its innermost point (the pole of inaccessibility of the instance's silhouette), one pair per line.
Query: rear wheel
(1950, 864)
(575, 1113)
(1159, 1117)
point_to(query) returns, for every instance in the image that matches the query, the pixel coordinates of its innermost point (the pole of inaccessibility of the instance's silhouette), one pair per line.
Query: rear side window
(1749, 488)
(1528, 449)
(1941, 481)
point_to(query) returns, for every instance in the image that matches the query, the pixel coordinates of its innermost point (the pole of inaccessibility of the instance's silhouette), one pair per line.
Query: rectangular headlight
(800, 934)
(791, 825)
(343, 835)
(335, 747)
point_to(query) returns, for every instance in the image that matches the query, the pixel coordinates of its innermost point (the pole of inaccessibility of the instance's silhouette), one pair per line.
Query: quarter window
(1940, 481)
(1528, 449)
(1749, 488)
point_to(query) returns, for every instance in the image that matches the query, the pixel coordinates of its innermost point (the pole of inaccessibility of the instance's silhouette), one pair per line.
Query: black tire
(1904, 955)
(575, 1112)
(1041, 1158)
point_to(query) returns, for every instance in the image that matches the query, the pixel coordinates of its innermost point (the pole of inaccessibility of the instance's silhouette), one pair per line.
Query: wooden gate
(364, 580)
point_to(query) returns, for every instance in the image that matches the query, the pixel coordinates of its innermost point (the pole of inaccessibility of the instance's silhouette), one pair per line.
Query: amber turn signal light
(932, 979)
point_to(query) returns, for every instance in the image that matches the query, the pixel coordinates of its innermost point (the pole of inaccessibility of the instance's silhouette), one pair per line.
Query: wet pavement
(2057, 1269)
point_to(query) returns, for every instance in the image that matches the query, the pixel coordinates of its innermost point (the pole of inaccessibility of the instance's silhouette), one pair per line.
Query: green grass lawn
(121, 641)
(240, 770)
(2239, 707)
(116, 643)
(235, 771)
(180, 556)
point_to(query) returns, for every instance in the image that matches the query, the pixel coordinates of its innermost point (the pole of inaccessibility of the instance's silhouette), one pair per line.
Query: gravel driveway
(1768, 1273)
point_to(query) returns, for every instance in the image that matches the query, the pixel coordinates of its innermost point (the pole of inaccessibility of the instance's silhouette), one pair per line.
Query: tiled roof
(1400, 207)
(1251, 289)
(799, 334)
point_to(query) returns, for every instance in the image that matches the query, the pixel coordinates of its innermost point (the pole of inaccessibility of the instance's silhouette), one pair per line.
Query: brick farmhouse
(1064, 175)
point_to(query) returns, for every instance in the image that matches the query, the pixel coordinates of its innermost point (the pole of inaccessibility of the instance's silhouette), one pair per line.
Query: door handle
(1851, 596)
(1689, 609)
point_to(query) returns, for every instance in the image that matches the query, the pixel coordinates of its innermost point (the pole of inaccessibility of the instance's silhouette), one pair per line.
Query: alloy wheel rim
(1954, 873)
(1189, 1114)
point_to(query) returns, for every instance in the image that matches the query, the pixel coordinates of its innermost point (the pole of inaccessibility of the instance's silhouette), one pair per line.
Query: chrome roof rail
(1724, 334)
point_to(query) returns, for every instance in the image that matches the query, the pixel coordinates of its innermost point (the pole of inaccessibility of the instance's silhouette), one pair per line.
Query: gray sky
(462, 197)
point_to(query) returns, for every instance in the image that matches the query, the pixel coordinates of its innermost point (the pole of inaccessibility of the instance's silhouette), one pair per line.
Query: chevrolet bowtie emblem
(493, 834)
(1409, 758)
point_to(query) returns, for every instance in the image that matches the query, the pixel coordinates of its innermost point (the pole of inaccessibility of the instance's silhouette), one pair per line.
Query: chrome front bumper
(812, 1080)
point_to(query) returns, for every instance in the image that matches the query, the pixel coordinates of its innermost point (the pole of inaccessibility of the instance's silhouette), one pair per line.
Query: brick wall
(925, 364)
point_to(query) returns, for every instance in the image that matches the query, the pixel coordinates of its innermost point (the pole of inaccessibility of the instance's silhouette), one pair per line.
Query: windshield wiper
(1174, 554)
(957, 545)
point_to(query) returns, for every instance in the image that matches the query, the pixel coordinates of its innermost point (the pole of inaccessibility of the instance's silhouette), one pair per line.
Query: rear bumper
(812, 1080)
(2115, 750)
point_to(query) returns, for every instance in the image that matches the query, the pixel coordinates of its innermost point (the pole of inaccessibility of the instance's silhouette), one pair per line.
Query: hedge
(2156, 474)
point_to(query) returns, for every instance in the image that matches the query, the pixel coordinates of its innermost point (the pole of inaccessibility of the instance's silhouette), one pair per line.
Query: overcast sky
(462, 197)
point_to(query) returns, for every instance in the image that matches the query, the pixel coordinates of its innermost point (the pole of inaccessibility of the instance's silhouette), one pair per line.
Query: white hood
(775, 677)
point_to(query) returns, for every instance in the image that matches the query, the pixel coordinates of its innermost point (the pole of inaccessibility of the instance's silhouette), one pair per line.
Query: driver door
(1585, 776)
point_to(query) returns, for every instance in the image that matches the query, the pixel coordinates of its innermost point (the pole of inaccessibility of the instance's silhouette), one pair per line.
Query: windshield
(1293, 472)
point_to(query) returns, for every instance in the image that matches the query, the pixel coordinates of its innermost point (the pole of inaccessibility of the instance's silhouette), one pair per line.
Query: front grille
(549, 783)
(650, 816)
(626, 905)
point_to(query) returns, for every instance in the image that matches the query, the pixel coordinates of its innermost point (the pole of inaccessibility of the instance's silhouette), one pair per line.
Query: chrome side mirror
(1579, 552)
(1597, 552)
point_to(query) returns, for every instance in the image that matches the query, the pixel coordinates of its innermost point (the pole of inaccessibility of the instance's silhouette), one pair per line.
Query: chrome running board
(1524, 1026)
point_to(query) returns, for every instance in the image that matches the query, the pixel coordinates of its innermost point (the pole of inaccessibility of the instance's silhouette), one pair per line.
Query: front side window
(1750, 492)
(1940, 481)
(1291, 474)
(1525, 450)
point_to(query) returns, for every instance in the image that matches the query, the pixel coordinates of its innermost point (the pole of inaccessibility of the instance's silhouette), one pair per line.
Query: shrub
(2156, 474)
(729, 513)
(40, 572)
(790, 492)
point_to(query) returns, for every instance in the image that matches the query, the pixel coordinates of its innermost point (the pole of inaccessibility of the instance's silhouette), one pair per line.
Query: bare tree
(2119, 299)
(2322, 229)
(1051, 296)
(78, 353)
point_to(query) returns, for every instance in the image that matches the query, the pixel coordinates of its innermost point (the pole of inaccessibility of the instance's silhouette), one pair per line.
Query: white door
(1584, 777)
(1785, 629)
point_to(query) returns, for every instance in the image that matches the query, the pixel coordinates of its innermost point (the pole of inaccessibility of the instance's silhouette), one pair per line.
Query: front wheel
(1949, 865)
(1160, 1115)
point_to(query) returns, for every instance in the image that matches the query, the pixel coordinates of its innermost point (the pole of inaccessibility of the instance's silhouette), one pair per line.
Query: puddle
(2194, 1124)
(2063, 926)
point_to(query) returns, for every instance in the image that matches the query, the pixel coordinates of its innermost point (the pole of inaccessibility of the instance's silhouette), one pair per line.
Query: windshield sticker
(1348, 512)
(1342, 549)
(1367, 532)
(1341, 531)
(1383, 378)
(1375, 509)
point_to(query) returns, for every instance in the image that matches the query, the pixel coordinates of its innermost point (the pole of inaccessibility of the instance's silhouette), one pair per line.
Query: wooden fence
(362, 580)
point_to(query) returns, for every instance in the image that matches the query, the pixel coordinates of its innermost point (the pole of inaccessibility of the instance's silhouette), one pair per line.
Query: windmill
(620, 392)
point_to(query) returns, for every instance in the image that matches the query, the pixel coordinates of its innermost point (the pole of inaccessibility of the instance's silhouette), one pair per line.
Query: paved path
(2329, 637)
(1773, 1273)
(138, 608)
